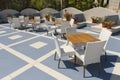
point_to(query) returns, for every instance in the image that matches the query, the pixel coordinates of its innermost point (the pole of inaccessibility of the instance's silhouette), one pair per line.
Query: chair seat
(59, 30)
(67, 51)
(68, 48)
(80, 54)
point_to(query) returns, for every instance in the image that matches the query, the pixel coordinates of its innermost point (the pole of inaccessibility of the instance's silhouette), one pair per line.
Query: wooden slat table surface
(81, 38)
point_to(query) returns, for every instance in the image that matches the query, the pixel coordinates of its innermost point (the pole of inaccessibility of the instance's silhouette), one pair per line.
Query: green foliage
(37, 4)
(40, 4)
(85, 4)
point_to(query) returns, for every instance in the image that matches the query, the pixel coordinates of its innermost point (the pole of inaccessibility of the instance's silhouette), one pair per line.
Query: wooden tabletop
(80, 38)
(59, 22)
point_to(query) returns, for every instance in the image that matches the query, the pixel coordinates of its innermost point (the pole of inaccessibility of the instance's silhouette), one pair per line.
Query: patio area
(30, 56)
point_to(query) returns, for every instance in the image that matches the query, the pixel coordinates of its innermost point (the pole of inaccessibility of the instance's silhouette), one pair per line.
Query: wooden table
(80, 38)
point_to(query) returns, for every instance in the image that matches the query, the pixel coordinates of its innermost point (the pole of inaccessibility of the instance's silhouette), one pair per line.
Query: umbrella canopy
(75, 13)
(101, 12)
(52, 11)
(29, 11)
(71, 10)
(6, 12)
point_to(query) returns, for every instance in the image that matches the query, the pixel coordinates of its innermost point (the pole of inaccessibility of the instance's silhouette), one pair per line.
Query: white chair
(72, 22)
(37, 22)
(21, 18)
(16, 23)
(105, 35)
(71, 30)
(91, 54)
(37, 19)
(48, 26)
(62, 29)
(62, 51)
(9, 20)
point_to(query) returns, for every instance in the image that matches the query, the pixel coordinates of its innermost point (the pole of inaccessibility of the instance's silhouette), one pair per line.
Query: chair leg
(47, 32)
(55, 56)
(99, 70)
(67, 43)
(59, 63)
(75, 58)
(105, 56)
(84, 66)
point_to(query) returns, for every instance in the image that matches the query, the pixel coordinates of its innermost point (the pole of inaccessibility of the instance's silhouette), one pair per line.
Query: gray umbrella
(29, 11)
(101, 12)
(6, 12)
(52, 11)
(75, 13)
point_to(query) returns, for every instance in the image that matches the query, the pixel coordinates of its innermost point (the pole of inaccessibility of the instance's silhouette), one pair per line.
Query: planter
(68, 19)
(108, 25)
(31, 17)
(53, 19)
(94, 21)
(75, 22)
(104, 25)
(47, 18)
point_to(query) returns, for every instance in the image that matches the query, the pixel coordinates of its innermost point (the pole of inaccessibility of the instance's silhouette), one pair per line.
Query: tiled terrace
(29, 56)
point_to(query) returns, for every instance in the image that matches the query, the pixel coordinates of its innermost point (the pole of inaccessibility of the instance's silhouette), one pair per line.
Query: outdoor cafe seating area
(59, 48)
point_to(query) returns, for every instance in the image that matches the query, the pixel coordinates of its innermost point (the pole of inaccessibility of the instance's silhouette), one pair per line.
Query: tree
(37, 4)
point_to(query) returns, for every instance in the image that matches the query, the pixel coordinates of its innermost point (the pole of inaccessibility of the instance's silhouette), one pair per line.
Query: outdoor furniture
(71, 30)
(105, 35)
(37, 22)
(48, 26)
(80, 38)
(21, 18)
(78, 41)
(72, 22)
(62, 29)
(62, 51)
(91, 54)
(10, 20)
(15, 23)
(26, 25)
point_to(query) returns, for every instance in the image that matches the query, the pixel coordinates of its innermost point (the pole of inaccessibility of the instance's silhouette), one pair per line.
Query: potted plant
(31, 17)
(96, 19)
(9, 15)
(53, 18)
(47, 16)
(67, 15)
(75, 20)
(108, 24)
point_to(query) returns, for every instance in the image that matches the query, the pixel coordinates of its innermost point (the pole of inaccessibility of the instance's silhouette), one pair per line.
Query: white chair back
(26, 21)
(21, 18)
(71, 22)
(64, 25)
(16, 23)
(58, 19)
(105, 35)
(58, 49)
(71, 30)
(93, 52)
(37, 19)
(9, 20)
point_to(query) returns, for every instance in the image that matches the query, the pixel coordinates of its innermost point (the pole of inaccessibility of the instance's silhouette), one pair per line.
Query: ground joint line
(16, 53)
(53, 73)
